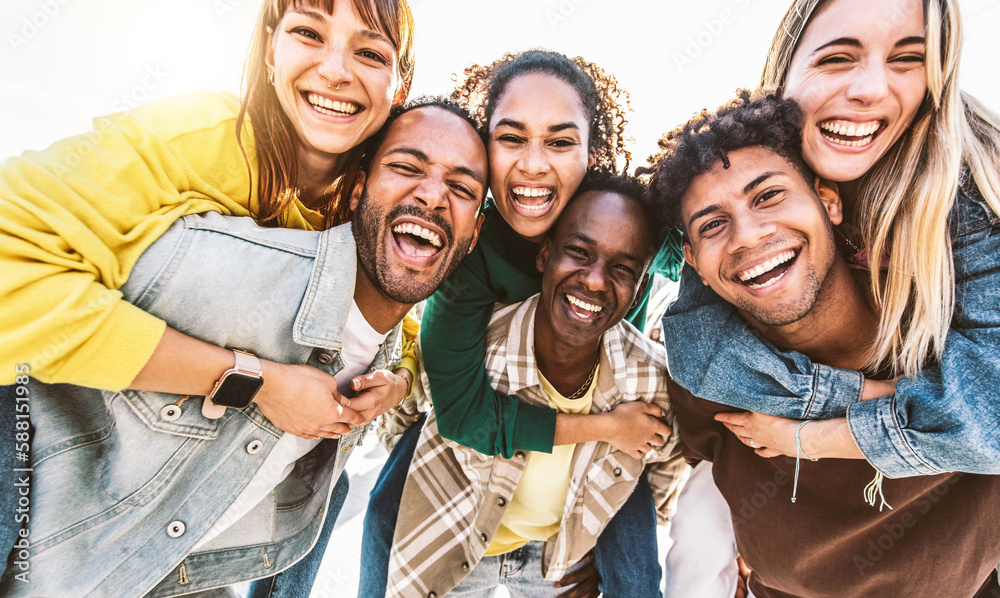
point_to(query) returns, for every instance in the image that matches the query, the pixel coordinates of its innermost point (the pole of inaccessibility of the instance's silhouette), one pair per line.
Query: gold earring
(270, 77)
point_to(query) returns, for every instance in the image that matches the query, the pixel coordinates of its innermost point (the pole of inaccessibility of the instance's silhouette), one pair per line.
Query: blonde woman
(916, 162)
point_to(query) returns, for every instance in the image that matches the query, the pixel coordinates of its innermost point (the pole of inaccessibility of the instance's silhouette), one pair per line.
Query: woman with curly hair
(549, 119)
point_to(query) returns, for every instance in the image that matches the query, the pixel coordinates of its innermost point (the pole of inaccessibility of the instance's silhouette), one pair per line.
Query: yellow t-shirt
(75, 218)
(536, 509)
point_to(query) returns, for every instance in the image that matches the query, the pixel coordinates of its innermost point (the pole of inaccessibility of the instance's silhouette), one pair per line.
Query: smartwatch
(237, 387)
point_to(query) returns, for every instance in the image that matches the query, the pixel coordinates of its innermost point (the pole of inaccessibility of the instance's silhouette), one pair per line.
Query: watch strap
(244, 363)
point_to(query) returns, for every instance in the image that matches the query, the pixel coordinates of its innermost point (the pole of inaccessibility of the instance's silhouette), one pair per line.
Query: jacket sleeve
(75, 218)
(469, 410)
(946, 418)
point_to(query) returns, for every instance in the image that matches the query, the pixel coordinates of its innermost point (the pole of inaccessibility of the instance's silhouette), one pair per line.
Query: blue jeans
(297, 580)
(380, 518)
(519, 570)
(625, 554)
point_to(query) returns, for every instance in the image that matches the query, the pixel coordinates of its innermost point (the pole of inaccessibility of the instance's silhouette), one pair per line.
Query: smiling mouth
(331, 107)
(532, 199)
(850, 134)
(768, 273)
(417, 241)
(583, 309)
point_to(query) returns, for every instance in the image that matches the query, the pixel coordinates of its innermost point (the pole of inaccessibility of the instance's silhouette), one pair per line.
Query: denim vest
(124, 484)
(945, 418)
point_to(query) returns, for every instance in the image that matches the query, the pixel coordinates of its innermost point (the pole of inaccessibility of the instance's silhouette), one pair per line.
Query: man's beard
(371, 228)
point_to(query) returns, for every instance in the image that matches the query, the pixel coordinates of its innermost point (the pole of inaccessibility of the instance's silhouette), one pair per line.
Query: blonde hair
(274, 136)
(905, 199)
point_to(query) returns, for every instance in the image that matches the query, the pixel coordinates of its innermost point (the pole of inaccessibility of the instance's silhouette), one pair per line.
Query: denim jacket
(946, 418)
(124, 484)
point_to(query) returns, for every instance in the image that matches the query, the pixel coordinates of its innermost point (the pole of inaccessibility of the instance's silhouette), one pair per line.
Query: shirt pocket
(614, 468)
(154, 436)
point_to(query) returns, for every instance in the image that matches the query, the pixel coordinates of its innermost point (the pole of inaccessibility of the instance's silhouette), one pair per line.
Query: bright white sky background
(63, 62)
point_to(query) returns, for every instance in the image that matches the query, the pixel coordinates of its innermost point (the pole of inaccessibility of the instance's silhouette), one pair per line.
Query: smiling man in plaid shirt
(469, 522)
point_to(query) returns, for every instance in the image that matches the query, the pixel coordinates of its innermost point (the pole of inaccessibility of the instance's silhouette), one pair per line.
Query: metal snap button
(465, 567)
(170, 413)
(484, 537)
(254, 447)
(618, 471)
(324, 358)
(176, 529)
(519, 454)
(501, 501)
(432, 595)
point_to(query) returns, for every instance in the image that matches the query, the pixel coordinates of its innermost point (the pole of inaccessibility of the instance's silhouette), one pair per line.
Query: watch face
(237, 390)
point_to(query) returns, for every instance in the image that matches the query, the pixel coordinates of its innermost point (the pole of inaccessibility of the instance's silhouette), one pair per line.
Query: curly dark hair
(752, 119)
(604, 102)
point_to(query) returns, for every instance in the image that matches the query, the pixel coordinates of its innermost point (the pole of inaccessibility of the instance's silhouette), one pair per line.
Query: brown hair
(274, 137)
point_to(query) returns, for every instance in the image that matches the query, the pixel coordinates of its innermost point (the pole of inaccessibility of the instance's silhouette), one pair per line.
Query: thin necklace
(850, 243)
(586, 384)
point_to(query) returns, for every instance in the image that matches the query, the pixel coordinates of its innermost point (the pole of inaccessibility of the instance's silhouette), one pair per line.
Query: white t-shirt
(360, 344)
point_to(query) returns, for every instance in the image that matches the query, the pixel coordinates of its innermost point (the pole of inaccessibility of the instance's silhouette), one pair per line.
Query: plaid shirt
(455, 496)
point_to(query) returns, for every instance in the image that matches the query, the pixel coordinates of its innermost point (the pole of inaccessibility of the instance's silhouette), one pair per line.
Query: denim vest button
(432, 595)
(170, 413)
(254, 447)
(176, 529)
(484, 537)
(324, 358)
(501, 501)
(465, 567)
(618, 471)
(519, 454)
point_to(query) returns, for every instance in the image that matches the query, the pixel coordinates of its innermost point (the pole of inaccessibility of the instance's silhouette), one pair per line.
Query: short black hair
(373, 143)
(627, 186)
(752, 119)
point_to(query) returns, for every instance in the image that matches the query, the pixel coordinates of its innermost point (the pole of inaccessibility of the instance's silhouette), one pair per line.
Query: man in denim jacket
(134, 492)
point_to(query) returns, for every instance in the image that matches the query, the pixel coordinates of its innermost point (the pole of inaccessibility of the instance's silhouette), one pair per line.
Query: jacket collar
(322, 315)
(522, 367)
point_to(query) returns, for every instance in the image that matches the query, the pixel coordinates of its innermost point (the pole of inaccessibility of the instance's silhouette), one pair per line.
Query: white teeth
(767, 266)
(531, 191)
(326, 104)
(584, 305)
(416, 230)
(850, 130)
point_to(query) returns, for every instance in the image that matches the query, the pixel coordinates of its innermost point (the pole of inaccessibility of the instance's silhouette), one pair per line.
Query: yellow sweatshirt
(75, 218)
